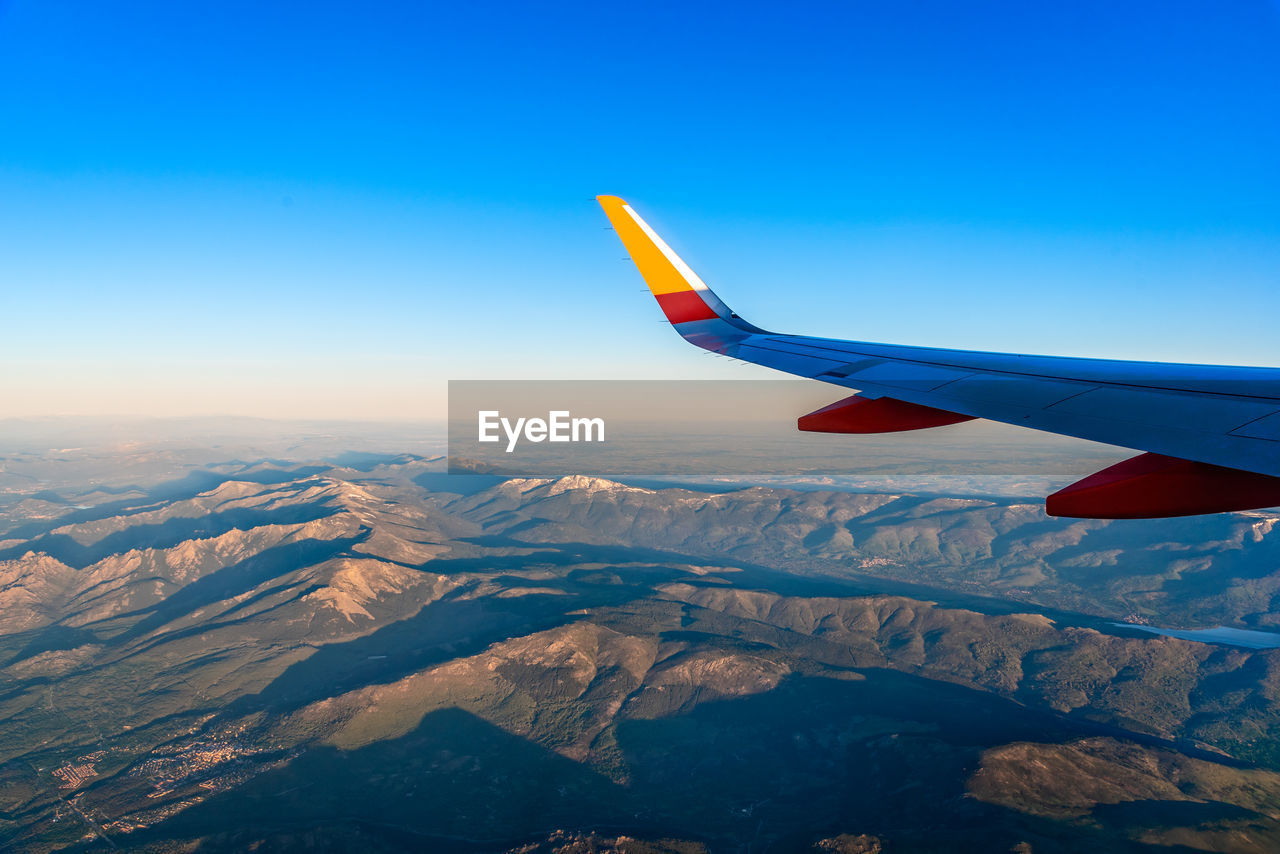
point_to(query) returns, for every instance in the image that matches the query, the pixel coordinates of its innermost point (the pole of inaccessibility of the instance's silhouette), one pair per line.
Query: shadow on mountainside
(463, 623)
(456, 782)
(189, 486)
(890, 755)
(1162, 814)
(217, 586)
(166, 534)
(457, 484)
(458, 625)
(367, 461)
(46, 639)
(233, 581)
(747, 575)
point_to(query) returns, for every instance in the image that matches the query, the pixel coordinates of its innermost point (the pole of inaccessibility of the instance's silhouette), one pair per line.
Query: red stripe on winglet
(1153, 486)
(683, 306)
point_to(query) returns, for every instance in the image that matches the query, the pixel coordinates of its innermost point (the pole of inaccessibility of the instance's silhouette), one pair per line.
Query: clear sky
(322, 209)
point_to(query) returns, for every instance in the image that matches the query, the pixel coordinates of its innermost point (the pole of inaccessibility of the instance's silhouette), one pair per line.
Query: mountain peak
(585, 483)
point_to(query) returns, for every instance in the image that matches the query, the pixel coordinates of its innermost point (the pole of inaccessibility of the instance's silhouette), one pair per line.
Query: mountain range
(368, 653)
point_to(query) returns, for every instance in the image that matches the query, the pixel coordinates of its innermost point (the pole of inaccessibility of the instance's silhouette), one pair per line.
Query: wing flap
(859, 414)
(1154, 486)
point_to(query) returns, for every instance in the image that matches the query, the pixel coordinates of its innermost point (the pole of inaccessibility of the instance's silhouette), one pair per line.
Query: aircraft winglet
(683, 296)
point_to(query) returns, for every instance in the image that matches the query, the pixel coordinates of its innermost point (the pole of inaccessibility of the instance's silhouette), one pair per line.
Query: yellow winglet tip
(661, 269)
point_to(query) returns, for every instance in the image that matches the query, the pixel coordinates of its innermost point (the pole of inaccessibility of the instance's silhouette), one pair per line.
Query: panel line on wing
(790, 342)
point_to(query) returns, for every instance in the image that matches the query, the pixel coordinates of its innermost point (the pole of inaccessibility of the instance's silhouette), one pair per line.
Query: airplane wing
(1210, 433)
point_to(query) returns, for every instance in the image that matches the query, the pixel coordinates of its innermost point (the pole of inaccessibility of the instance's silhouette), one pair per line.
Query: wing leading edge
(1210, 433)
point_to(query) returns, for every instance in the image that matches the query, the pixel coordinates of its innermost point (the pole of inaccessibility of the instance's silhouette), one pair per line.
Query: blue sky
(331, 209)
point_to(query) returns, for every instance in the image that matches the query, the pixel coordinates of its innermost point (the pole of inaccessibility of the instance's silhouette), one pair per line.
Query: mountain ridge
(660, 641)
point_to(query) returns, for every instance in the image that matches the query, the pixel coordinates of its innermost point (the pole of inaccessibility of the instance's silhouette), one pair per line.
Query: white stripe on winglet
(681, 267)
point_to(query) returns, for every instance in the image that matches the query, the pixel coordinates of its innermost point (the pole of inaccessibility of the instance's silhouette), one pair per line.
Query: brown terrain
(293, 656)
